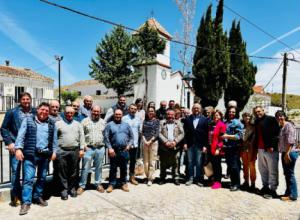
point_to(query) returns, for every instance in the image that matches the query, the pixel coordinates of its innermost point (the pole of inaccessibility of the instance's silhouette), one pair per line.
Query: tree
(148, 44)
(112, 65)
(242, 70)
(207, 83)
(69, 96)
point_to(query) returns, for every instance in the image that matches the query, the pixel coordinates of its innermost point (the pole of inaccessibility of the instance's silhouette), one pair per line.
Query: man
(36, 144)
(135, 124)
(86, 109)
(266, 141)
(77, 115)
(118, 138)
(195, 143)
(9, 130)
(162, 111)
(121, 104)
(71, 143)
(54, 111)
(93, 128)
(170, 134)
(171, 105)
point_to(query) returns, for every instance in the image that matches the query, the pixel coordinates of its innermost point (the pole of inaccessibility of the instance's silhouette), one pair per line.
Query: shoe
(125, 187)
(199, 184)
(73, 193)
(252, 189)
(287, 199)
(189, 182)
(245, 186)
(80, 190)
(15, 202)
(162, 182)
(133, 181)
(109, 189)
(226, 176)
(64, 195)
(149, 183)
(234, 188)
(216, 185)
(24, 209)
(39, 201)
(176, 182)
(100, 189)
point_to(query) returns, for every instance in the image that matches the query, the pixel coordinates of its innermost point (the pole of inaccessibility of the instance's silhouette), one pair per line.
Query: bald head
(88, 101)
(54, 108)
(96, 113)
(69, 113)
(75, 105)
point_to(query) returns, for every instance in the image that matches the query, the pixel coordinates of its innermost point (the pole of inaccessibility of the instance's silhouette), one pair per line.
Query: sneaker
(24, 209)
(109, 189)
(189, 182)
(39, 201)
(149, 183)
(80, 190)
(15, 202)
(216, 185)
(125, 187)
(234, 188)
(287, 199)
(133, 180)
(199, 184)
(100, 188)
(162, 182)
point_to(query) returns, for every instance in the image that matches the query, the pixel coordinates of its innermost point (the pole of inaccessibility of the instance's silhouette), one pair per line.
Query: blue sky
(32, 32)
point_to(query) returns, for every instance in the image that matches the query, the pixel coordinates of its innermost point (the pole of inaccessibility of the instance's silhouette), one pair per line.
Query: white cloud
(27, 42)
(275, 41)
(267, 70)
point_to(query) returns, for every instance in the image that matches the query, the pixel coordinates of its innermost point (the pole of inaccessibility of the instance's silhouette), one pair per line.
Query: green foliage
(112, 65)
(69, 96)
(242, 71)
(293, 101)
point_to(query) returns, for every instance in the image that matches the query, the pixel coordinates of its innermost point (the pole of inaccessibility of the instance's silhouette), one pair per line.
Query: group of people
(170, 134)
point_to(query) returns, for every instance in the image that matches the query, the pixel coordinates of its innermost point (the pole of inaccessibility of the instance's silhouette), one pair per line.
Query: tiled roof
(87, 82)
(258, 89)
(22, 73)
(157, 26)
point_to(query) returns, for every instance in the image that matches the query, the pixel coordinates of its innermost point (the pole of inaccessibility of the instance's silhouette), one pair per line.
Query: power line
(273, 75)
(44, 66)
(259, 28)
(132, 29)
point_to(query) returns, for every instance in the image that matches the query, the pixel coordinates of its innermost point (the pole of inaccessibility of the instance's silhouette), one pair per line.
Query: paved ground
(164, 202)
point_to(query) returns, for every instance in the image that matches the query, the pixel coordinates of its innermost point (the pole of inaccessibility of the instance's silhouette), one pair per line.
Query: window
(1, 89)
(37, 93)
(18, 91)
(98, 92)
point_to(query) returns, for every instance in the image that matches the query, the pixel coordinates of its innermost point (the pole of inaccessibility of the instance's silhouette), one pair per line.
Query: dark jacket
(196, 136)
(30, 138)
(11, 124)
(270, 131)
(161, 113)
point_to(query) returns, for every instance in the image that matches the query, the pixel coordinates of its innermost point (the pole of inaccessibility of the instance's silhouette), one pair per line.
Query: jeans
(119, 160)
(195, 160)
(288, 170)
(96, 154)
(234, 165)
(29, 168)
(268, 168)
(132, 158)
(15, 176)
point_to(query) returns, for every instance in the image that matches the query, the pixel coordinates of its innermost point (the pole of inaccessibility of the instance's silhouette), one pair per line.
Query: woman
(151, 104)
(287, 146)
(216, 130)
(140, 111)
(248, 153)
(150, 133)
(232, 139)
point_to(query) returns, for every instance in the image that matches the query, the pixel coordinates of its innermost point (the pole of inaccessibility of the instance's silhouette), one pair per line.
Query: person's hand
(81, 153)
(185, 147)
(204, 150)
(270, 149)
(19, 155)
(86, 148)
(11, 148)
(217, 152)
(224, 136)
(127, 148)
(167, 144)
(287, 158)
(53, 156)
(111, 152)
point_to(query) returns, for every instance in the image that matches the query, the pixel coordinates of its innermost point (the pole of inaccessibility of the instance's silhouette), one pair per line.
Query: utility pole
(59, 59)
(283, 100)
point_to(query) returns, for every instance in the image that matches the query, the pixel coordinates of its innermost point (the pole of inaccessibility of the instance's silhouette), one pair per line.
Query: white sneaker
(149, 183)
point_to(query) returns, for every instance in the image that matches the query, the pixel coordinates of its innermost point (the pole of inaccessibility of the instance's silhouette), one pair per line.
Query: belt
(69, 149)
(95, 146)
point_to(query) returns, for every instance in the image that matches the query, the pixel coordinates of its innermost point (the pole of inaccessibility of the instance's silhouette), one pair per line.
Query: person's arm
(5, 133)
(130, 134)
(81, 137)
(20, 140)
(160, 135)
(108, 115)
(55, 141)
(107, 137)
(181, 133)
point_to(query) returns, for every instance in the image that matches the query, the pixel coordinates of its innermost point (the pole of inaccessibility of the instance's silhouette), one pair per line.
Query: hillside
(293, 101)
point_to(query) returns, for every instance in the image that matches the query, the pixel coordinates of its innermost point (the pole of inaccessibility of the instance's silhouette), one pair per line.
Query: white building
(15, 80)
(163, 84)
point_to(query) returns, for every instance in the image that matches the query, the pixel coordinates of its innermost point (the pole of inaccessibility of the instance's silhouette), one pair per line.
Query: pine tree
(242, 71)
(112, 65)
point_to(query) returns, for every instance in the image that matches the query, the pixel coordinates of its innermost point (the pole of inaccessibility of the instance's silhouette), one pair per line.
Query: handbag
(207, 168)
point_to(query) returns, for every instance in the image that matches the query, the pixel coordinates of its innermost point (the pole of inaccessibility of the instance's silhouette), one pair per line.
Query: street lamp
(59, 58)
(188, 78)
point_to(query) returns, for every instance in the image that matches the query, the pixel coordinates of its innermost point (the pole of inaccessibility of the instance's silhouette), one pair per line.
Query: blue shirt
(41, 136)
(118, 135)
(135, 124)
(234, 127)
